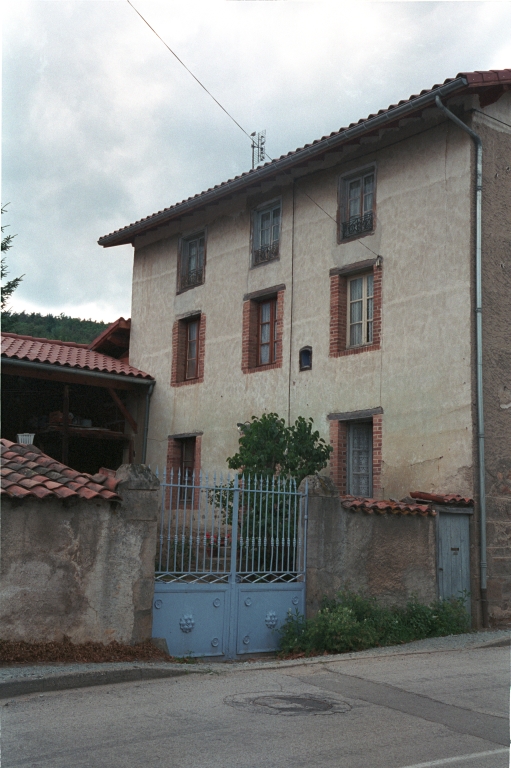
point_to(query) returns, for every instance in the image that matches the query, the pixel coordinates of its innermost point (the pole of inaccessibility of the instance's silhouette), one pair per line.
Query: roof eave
(128, 234)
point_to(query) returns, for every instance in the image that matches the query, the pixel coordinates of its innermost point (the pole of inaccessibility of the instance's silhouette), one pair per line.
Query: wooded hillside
(60, 327)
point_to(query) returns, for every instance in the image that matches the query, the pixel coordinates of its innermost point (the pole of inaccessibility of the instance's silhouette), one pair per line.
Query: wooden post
(65, 426)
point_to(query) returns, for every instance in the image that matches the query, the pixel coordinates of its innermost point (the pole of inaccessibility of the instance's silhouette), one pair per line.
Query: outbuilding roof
(452, 499)
(28, 472)
(66, 354)
(489, 84)
(375, 506)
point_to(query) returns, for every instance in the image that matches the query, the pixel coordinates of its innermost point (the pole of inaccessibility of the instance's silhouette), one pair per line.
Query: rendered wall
(421, 375)
(390, 557)
(83, 569)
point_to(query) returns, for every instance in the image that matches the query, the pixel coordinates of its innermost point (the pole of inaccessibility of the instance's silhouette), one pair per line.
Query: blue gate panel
(262, 609)
(192, 618)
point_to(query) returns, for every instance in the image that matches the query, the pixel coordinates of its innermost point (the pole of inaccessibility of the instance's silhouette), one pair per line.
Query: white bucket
(27, 438)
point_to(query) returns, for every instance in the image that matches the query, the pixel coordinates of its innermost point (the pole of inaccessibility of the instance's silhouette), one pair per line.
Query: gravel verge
(20, 679)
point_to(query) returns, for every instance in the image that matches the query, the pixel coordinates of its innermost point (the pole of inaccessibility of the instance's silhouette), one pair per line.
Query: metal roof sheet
(67, 354)
(464, 81)
(28, 472)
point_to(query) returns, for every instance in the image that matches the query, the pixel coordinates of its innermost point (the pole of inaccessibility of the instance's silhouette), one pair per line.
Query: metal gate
(230, 563)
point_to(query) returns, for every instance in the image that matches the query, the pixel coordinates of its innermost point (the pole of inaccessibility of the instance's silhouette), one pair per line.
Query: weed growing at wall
(353, 622)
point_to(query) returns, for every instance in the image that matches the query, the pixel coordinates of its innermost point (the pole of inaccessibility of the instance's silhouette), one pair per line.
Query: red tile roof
(454, 499)
(67, 354)
(27, 471)
(374, 506)
(464, 82)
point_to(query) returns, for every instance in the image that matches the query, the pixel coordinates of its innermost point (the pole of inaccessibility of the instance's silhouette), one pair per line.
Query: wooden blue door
(453, 556)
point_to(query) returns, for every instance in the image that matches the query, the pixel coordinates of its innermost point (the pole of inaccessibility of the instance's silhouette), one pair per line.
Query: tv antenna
(258, 148)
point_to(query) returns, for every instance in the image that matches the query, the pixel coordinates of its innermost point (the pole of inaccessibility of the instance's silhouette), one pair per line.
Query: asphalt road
(446, 708)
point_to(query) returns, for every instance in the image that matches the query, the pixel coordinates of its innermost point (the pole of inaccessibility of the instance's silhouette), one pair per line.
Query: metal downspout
(479, 352)
(146, 422)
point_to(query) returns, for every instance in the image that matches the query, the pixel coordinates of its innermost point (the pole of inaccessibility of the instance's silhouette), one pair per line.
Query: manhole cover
(288, 704)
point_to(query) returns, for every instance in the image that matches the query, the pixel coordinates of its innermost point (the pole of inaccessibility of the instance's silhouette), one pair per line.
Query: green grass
(353, 622)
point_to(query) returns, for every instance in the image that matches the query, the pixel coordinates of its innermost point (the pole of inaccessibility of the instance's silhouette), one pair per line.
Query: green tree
(268, 447)
(10, 286)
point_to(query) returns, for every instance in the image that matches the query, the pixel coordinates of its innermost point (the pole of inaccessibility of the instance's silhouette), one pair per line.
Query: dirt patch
(82, 653)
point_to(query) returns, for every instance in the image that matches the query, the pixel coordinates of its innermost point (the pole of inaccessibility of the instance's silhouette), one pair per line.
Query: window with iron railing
(358, 205)
(192, 262)
(266, 234)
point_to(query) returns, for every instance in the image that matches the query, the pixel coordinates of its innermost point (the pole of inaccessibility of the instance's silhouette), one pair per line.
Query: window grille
(267, 234)
(192, 262)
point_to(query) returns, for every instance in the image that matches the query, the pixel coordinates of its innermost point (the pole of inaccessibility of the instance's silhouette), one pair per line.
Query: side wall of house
(83, 569)
(496, 247)
(420, 376)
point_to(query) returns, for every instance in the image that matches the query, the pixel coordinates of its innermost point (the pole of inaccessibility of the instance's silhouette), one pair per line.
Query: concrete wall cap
(136, 477)
(320, 485)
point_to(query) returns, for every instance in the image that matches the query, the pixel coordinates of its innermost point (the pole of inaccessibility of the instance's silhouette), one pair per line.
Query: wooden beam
(127, 415)
(65, 426)
(55, 374)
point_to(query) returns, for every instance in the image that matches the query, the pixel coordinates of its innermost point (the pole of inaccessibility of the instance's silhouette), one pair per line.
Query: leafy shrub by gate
(354, 622)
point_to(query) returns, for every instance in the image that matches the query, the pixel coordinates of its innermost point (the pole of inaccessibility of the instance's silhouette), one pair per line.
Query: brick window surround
(174, 452)
(179, 351)
(174, 459)
(250, 336)
(339, 442)
(339, 278)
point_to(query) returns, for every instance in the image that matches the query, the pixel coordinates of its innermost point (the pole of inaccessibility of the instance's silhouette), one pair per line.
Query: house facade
(338, 282)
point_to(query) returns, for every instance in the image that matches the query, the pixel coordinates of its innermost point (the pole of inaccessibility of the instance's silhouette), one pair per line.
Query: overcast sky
(102, 126)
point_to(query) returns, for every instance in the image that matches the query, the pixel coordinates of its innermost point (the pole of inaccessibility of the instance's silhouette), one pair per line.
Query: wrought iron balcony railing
(192, 277)
(357, 225)
(266, 253)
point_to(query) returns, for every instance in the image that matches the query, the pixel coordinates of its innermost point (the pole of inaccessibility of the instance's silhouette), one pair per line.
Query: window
(192, 349)
(192, 261)
(360, 459)
(356, 462)
(266, 235)
(357, 205)
(188, 339)
(356, 307)
(305, 358)
(263, 313)
(360, 311)
(267, 337)
(187, 462)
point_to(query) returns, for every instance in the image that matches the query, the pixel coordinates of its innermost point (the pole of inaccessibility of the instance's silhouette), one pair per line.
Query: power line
(226, 111)
(190, 71)
(491, 117)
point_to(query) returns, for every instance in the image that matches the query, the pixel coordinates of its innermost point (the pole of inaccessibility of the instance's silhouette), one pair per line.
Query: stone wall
(84, 569)
(390, 557)
(496, 284)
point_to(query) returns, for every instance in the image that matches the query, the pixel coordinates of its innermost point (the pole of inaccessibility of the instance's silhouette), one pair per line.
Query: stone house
(340, 282)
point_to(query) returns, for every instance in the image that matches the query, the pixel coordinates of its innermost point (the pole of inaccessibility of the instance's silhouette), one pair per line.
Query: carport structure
(83, 407)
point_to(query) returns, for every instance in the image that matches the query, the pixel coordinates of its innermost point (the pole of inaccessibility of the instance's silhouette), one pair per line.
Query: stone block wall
(84, 569)
(390, 557)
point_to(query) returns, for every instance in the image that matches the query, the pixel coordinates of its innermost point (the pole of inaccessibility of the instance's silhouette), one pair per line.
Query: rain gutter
(127, 234)
(479, 350)
(45, 367)
(146, 422)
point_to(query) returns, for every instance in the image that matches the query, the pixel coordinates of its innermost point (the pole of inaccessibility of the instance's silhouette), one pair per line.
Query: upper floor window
(192, 348)
(192, 261)
(357, 209)
(266, 233)
(360, 313)
(188, 346)
(267, 338)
